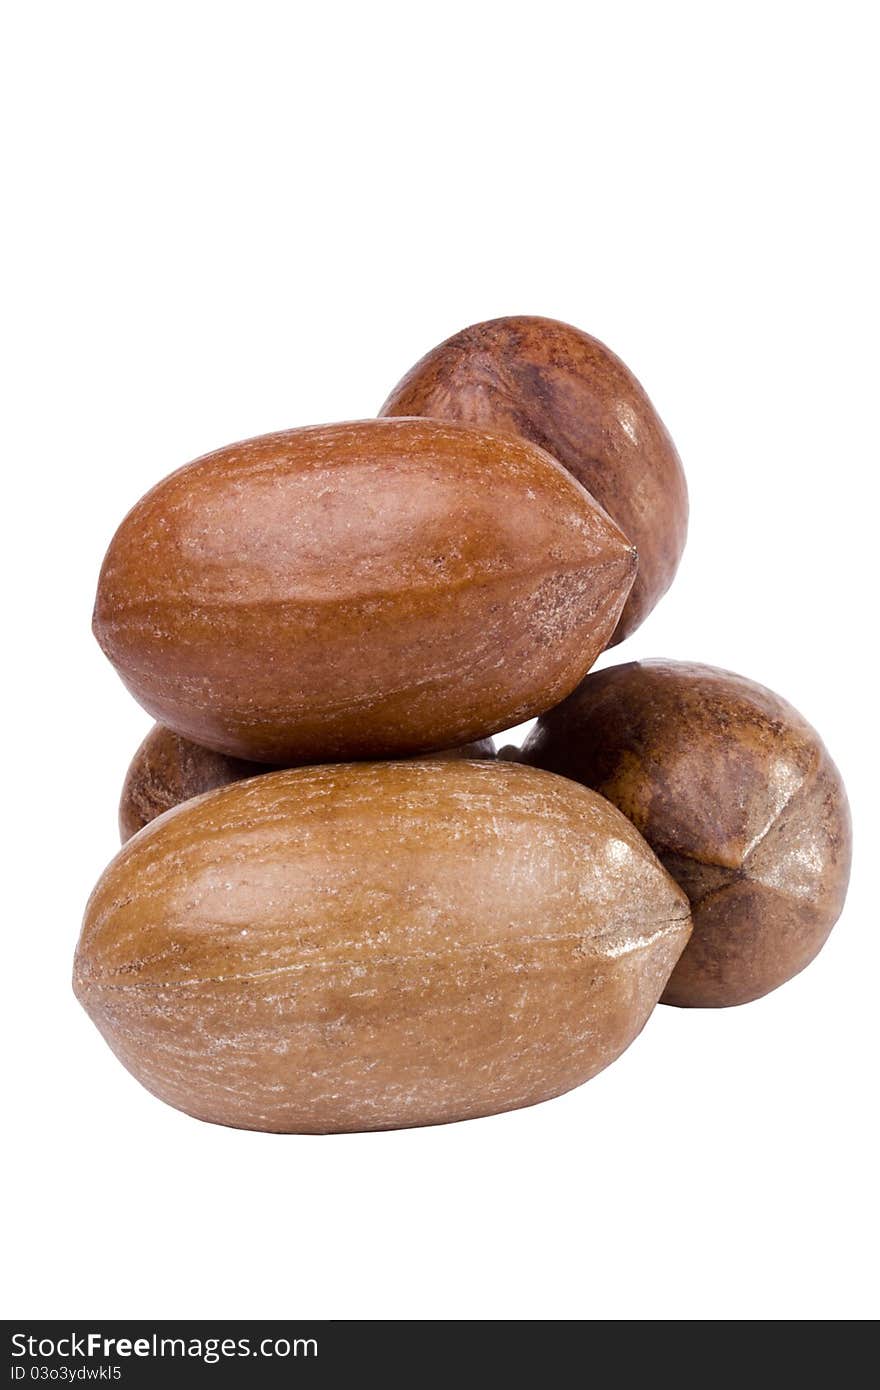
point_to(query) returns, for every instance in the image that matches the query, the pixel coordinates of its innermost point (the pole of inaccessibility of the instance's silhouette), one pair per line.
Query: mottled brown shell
(377, 945)
(359, 590)
(737, 795)
(168, 769)
(567, 392)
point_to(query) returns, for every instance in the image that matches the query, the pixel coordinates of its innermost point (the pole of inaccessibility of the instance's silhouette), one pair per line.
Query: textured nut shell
(737, 795)
(565, 391)
(377, 945)
(168, 769)
(359, 590)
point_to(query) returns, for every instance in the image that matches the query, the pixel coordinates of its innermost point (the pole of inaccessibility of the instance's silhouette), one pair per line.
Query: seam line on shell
(607, 558)
(114, 981)
(808, 777)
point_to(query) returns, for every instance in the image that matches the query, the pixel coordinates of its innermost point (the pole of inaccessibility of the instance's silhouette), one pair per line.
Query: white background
(226, 219)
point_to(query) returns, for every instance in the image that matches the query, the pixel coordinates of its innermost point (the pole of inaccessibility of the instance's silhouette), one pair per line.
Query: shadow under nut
(360, 590)
(378, 945)
(565, 391)
(167, 770)
(739, 798)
